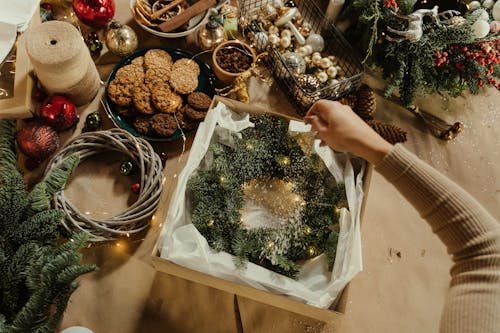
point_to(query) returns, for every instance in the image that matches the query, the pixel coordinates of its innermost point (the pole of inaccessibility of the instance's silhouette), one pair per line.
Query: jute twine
(136, 217)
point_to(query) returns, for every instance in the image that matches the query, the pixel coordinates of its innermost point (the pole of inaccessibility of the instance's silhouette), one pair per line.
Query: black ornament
(93, 121)
(290, 4)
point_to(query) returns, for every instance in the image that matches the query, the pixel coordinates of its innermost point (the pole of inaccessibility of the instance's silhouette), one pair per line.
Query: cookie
(165, 100)
(183, 82)
(143, 124)
(187, 65)
(164, 124)
(130, 74)
(157, 58)
(125, 112)
(139, 61)
(120, 93)
(199, 101)
(193, 114)
(142, 99)
(186, 123)
(155, 76)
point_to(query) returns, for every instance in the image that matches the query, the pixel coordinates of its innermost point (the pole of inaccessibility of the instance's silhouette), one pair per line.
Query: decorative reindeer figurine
(415, 24)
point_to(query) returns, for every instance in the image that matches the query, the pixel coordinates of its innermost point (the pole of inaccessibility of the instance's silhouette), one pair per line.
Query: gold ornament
(121, 39)
(312, 251)
(211, 35)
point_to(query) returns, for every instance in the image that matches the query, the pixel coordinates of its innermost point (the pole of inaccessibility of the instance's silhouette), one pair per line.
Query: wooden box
(278, 301)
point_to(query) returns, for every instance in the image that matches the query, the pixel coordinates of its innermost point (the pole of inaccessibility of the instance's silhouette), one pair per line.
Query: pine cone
(366, 102)
(349, 100)
(391, 133)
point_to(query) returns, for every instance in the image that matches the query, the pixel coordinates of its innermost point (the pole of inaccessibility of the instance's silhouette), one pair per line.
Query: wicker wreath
(135, 218)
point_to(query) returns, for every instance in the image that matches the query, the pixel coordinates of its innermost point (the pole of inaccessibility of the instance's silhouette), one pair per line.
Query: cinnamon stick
(179, 20)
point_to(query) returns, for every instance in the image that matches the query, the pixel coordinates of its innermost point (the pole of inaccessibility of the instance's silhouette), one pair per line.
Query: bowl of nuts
(232, 58)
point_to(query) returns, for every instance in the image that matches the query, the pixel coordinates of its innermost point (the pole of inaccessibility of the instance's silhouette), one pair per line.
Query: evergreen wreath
(37, 272)
(447, 58)
(264, 153)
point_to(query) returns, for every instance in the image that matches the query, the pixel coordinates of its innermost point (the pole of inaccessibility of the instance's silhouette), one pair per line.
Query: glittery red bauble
(95, 13)
(37, 141)
(58, 112)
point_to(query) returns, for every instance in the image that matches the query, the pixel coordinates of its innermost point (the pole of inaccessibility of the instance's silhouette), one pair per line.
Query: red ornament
(94, 13)
(136, 188)
(37, 141)
(59, 112)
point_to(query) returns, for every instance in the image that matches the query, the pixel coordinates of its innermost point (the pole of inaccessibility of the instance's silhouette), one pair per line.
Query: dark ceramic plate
(205, 84)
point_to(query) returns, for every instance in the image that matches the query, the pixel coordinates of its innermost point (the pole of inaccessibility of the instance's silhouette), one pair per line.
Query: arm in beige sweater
(470, 233)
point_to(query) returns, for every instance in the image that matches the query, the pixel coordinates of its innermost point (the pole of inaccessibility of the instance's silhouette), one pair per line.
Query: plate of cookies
(159, 93)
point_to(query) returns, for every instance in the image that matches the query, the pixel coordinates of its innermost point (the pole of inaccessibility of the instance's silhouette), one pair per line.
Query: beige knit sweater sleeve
(470, 233)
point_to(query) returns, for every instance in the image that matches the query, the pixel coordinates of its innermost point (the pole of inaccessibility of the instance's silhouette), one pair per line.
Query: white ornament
(286, 33)
(274, 39)
(316, 58)
(307, 59)
(308, 49)
(332, 72)
(322, 76)
(483, 14)
(316, 42)
(76, 329)
(480, 28)
(333, 82)
(260, 40)
(302, 51)
(474, 5)
(496, 11)
(285, 42)
(325, 63)
(488, 3)
(274, 30)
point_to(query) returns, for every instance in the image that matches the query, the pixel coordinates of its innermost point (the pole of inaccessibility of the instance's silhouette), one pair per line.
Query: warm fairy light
(285, 161)
(270, 245)
(210, 223)
(175, 176)
(163, 180)
(249, 146)
(307, 230)
(128, 235)
(222, 179)
(337, 210)
(121, 245)
(297, 198)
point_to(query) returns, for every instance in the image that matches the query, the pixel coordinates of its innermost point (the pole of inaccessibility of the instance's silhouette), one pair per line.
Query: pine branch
(56, 179)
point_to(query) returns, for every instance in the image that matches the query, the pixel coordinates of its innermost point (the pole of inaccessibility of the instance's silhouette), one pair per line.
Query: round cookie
(183, 82)
(188, 65)
(120, 93)
(164, 124)
(126, 112)
(193, 114)
(143, 124)
(186, 123)
(157, 58)
(165, 100)
(156, 75)
(142, 99)
(130, 74)
(139, 61)
(199, 100)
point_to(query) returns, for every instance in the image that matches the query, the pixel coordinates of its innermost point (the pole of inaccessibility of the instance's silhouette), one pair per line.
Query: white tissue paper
(18, 13)
(181, 243)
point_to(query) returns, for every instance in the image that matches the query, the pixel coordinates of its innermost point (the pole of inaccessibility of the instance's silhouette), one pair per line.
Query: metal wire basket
(301, 96)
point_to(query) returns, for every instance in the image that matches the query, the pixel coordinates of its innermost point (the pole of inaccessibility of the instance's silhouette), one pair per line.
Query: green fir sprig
(264, 152)
(37, 274)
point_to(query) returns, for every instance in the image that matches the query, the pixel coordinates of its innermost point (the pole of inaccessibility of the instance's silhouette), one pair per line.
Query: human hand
(340, 128)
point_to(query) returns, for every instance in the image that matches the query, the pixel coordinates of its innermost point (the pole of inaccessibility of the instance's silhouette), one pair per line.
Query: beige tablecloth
(405, 277)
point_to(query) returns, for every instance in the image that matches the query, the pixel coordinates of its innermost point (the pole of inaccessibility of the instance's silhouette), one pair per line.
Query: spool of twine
(62, 61)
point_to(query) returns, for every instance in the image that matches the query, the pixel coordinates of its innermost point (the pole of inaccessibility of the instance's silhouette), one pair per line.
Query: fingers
(317, 123)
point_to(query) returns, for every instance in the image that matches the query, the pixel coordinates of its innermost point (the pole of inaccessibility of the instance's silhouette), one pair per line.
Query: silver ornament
(295, 63)
(316, 42)
(121, 39)
(260, 40)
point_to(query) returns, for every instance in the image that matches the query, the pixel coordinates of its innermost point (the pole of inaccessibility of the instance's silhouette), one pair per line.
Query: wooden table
(394, 293)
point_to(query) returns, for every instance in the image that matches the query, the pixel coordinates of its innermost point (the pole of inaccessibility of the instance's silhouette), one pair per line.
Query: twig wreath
(267, 154)
(135, 218)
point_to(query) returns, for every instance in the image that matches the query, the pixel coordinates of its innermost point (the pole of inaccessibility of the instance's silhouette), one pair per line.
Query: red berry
(136, 188)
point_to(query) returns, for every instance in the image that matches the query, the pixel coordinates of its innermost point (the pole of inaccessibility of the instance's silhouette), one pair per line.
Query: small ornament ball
(163, 157)
(316, 42)
(312, 251)
(286, 33)
(59, 112)
(127, 168)
(332, 72)
(260, 40)
(136, 188)
(316, 58)
(325, 63)
(121, 39)
(93, 121)
(94, 44)
(322, 76)
(285, 42)
(480, 28)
